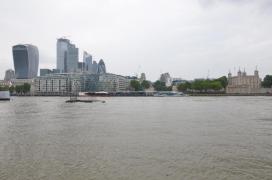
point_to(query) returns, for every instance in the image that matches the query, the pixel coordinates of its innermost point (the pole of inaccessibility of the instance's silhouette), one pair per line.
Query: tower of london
(243, 83)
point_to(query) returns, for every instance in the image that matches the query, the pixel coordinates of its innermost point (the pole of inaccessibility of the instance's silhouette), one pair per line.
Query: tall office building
(94, 68)
(81, 67)
(142, 77)
(26, 61)
(9, 75)
(87, 59)
(67, 56)
(101, 67)
(166, 78)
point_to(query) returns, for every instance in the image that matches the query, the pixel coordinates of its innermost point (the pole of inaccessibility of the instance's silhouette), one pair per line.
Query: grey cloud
(186, 38)
(257, 3)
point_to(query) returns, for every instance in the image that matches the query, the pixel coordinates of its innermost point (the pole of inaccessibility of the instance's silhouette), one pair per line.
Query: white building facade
(166, 78)
(112, 83)
(56, 85)
(66, 84)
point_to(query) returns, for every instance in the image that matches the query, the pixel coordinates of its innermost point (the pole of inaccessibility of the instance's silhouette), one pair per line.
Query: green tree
(205, 85)
(267, 82)
(224, 81)
(11, 89)
(4, 88)
(135, 85)
(184, 86)
(160, 86)
(197, 85)
(18, 89)
(216, 85)
(22, 89)
(26, 88)
(145, 84)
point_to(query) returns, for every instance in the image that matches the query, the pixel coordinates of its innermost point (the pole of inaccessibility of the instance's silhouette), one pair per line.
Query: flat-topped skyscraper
(87, 59)
(67, 56)
(26, 61)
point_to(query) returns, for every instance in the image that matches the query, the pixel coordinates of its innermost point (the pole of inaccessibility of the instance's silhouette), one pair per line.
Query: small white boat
(169, 94)
(4, 96)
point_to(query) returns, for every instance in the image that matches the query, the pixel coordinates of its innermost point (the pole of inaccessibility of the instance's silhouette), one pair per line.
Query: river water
(154, 138)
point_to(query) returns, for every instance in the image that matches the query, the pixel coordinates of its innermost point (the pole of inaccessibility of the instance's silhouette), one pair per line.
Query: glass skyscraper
(26, 61)
(101, 67)
(87, 59)
(67, 56)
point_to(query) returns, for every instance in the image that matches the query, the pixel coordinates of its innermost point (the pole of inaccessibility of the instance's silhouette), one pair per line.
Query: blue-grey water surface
(129, 138)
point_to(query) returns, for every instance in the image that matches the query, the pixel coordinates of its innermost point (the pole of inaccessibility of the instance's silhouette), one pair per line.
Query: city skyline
(191, 40)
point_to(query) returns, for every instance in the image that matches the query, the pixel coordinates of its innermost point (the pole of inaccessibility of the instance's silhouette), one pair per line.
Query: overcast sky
(187, 38)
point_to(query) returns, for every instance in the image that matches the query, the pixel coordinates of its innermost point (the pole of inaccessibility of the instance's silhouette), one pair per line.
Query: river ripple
(136, 138)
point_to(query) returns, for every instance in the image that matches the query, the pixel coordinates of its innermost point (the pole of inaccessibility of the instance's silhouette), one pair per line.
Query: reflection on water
(136, 138)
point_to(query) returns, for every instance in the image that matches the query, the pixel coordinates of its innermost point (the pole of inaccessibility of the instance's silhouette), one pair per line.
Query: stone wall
(247, 90)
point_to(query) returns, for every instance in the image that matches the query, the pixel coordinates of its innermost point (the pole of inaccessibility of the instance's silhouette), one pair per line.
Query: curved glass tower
(101, 67)
(26, 61)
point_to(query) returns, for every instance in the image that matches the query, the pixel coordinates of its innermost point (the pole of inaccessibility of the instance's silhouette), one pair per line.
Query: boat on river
(4, 96)
(169, 94)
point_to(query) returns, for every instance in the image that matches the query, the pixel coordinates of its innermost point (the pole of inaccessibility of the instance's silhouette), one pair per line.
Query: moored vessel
(168, 94)
(4, 96)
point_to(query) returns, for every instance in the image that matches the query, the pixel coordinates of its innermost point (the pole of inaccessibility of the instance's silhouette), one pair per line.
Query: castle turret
(256, 73)
(229, 75)
(244, 73)
(239, 72)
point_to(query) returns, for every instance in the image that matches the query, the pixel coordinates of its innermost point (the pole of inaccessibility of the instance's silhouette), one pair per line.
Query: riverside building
(67, 83)
(57, 84)
(243, 83)
(112, 83)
